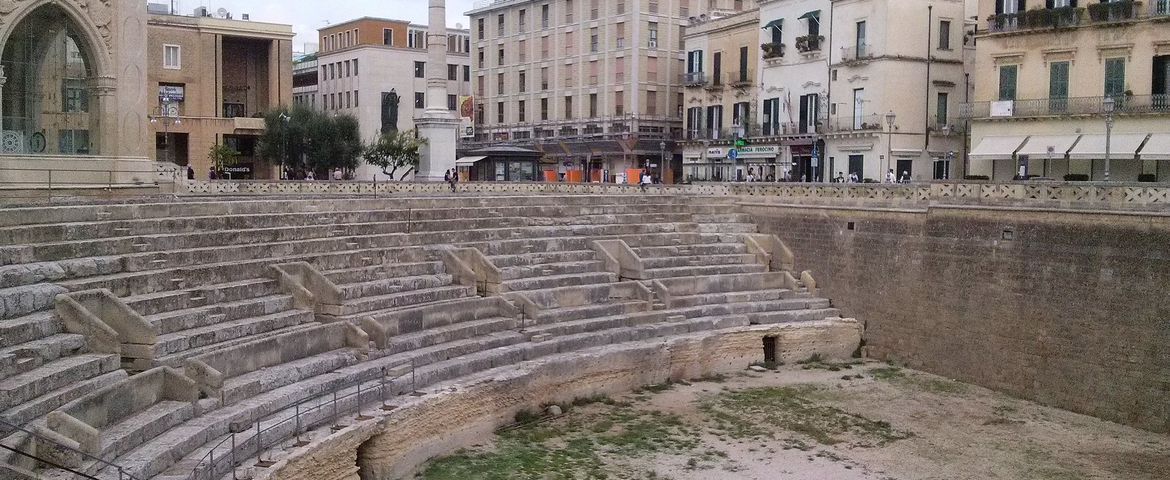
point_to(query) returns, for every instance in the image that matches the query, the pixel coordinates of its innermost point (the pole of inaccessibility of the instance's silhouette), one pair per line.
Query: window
(695, 61)
(73, 141)
(355, 99)
(453, 72)
(388, 37)
(739, 114)
(452, 102)
(743, 65)
(653, 39)
(467, 73)
(810, 109)
(500, 112)
(860, 44)
(771, 116)
(500, 57)
(941, 116)
(593, 9)
(544, 78)
(480, 85)
(479, 114)
(1058, 86)
(521, 111)
(481, 58)
(544, 16)
(75, 95)
(416, 39)
(348, 100)
(652, 103)
(348, 69)
(500, 25)
(592, 105)
(568, 11)
(714, 121)
(523, 20)
(1007, 82)
(620, 37)
(717, 68)
(420, 100)
(777, 28)
(568, 108)
(944, 35)
(594, 41)
(499, 84)
(420, 69)
(523, 51)
(355, 67)
(694, 121)
(479, 29)
(1114, 76)
(619, 103)
(544, 109)
(523, 82)
(172, 57)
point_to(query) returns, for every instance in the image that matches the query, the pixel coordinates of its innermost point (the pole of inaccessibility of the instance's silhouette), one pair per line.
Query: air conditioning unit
(200, 12)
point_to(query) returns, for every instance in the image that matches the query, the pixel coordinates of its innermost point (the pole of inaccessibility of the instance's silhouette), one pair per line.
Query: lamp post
(168, 117)
(1108, 105)
(284, 144)
(890, 119)
(661, 160)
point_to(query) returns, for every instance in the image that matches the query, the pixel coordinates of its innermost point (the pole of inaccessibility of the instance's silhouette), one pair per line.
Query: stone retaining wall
(1064, 308)
(461, 413)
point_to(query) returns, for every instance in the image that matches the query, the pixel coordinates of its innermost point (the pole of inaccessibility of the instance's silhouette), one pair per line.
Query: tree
(302, 138)
(395, 150)
(222, 155)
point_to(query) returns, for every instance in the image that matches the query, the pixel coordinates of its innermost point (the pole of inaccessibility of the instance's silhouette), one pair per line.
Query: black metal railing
(7, 428)
(691, 79)
(863, 123)
(1041, 107)
(857, 52)
(1067, 17)
(809, 43)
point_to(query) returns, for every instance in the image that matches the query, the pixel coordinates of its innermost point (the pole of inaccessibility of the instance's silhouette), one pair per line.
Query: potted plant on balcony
(809, 43)
(772, 50)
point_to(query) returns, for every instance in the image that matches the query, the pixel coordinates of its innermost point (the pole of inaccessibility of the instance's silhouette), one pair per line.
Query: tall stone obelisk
(437, 124)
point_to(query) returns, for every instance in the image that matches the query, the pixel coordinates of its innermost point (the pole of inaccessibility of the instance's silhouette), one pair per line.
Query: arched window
(47, 104)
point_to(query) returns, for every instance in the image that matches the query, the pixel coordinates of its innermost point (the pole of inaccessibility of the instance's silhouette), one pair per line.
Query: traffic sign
(732, 154)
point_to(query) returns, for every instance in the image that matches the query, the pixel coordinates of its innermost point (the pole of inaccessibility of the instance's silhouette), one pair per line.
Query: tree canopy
(394, 151)
(302, 138)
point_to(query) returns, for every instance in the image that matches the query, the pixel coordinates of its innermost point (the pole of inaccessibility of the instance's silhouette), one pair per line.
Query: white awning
(1037, 146)
(1157, 147)
(1122, 146)
(467, 161)
(997, 148)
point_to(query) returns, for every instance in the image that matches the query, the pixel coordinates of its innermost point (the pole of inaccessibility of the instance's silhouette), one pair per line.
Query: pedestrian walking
(453, 179)
(890, 176)
(645, 180)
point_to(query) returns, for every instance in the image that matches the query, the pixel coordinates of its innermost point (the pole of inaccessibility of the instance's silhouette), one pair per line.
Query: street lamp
(168, 117)
(284, 144)
(661, 160)
(1109, 105)
(890, 118)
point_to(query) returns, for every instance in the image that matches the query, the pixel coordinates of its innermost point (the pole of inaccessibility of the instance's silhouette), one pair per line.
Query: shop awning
(1037, 145)
(467, 161)
(997, 148)
(1157, 147)
(1121, 146)
(779, 23)
(813, 15)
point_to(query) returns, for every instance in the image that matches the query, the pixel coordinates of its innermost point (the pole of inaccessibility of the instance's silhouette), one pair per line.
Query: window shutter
(1022, 6)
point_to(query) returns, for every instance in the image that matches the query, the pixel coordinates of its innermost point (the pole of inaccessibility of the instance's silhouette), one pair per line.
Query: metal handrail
(122, 475)
(208, 464)
(47, 462)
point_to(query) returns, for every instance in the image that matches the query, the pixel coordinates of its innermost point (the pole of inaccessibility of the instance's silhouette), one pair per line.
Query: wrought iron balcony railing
(856, 53)
(1068, 17)
(1043, 107)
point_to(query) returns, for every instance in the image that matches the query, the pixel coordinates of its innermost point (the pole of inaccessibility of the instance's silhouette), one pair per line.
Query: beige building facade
(1061, 86)
(722, 85)
(71, 91)
(594, 85)
(375, 69)
(210, 80)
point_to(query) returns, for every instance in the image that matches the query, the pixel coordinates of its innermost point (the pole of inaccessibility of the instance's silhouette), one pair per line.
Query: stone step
(590, 311)
(214, 335)
(374, 304)
(792, 316)
(27, 356)
(176, 360)
(382, 271)
(705, 249)
(142, 426)
(723, 217)
(59, 373)
(198, 296)
(693, 260)
(699, 270)
(449, 333)
(557, 281)
(186, 319)
(593, 324)
(551, 269)
(727, 297)
(40, 406)
(253, 384)
(392, 285)
(23, 300)
(538, 258)
(726, 228)
(580, 341)
(17, 331)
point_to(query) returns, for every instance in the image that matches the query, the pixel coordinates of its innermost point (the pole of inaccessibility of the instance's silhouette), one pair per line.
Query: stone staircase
(379, 292)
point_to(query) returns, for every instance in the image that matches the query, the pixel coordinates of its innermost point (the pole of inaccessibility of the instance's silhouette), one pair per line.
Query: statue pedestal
(438, 155)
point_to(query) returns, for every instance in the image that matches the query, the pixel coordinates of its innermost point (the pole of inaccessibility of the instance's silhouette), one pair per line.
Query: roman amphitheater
(340, 331)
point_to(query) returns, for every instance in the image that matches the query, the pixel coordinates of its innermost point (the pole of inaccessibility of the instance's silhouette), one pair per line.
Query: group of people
(452, 178)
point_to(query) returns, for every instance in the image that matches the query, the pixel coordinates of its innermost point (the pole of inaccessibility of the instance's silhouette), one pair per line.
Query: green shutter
(1058, 80)
(1007, 82)
(1114, 76)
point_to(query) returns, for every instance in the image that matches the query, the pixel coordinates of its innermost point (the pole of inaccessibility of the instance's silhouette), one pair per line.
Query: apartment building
(305, 80)
(722, 86)
(213, 77)
(375, 70)
(594, 85)
(1074, 90)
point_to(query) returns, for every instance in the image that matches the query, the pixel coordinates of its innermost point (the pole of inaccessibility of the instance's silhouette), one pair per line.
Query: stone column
(103, 118)
(437, 124)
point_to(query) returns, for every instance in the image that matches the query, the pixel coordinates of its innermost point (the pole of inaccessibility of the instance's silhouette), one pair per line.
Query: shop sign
(759, 151)
(716, 153)
(174, 93)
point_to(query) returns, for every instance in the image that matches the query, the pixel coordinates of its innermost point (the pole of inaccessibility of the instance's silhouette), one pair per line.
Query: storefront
(761, 162)
(500, 164)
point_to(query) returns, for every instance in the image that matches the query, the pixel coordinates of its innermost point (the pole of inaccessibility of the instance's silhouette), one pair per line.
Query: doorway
(905, 168)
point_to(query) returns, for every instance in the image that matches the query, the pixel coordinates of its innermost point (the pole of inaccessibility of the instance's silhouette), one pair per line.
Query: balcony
(1046, 107)
(741, 78)
(864, 123)
(772, 50)
(809, 43)
(1069, 17)
(694, 79)
(856, 53)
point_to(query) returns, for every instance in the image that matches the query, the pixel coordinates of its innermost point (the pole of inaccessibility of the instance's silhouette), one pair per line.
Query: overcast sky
(307, 16)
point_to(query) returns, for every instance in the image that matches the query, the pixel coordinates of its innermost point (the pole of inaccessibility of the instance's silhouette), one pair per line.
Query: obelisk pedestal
(437, 124)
